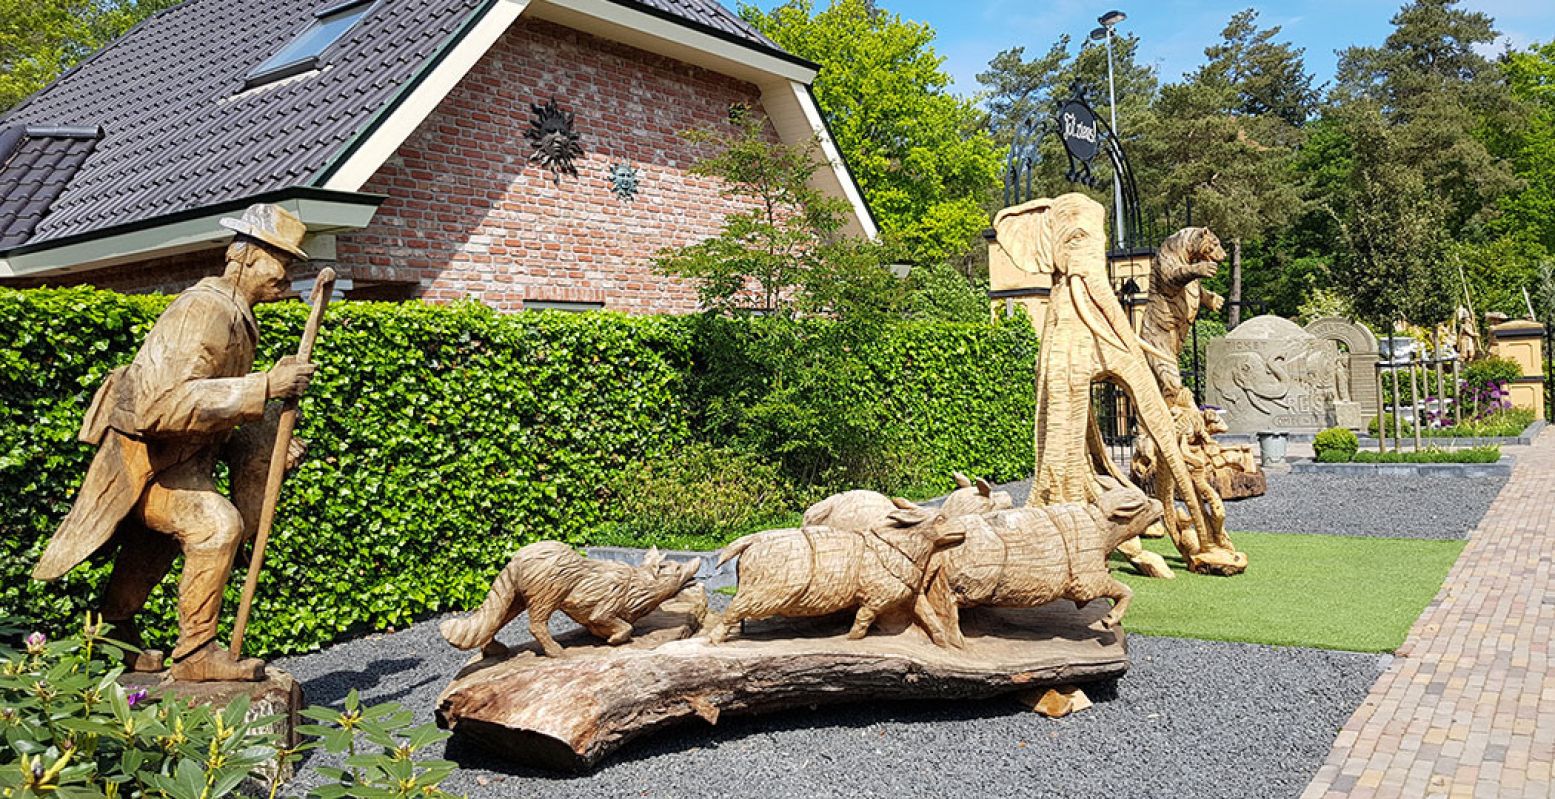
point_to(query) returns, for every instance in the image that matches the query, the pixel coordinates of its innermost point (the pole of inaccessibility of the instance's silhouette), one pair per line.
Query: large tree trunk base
(569, 713)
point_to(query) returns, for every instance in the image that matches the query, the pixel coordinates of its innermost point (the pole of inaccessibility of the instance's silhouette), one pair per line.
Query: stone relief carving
(1269, 374)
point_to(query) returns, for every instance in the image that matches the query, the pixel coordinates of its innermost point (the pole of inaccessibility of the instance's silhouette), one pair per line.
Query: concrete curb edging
(1501, 468)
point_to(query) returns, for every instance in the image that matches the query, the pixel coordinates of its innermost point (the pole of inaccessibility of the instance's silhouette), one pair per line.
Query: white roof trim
(598, 17)
(667, 38)
(793, 112)
(174, 238)
(365, 161)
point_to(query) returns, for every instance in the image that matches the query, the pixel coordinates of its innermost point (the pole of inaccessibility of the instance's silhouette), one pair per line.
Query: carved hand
(288, 378)
(295, 450)
(1214, 302)
(1204, 268)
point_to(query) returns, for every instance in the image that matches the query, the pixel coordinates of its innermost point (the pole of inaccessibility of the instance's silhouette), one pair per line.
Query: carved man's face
(263, 276)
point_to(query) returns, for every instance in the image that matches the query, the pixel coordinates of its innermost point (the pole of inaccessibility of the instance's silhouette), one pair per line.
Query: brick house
(396, 130)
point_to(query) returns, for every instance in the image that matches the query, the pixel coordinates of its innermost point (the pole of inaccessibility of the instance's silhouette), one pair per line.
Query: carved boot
(146, 661)
(211, 663)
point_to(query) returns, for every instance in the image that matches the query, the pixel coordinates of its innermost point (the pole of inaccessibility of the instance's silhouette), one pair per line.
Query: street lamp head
(1098, 34)
(1112, 18)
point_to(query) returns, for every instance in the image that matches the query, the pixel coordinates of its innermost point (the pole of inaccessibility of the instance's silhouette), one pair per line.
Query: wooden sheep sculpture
(815, 571)
(604, 597)
(1030, 556)
(864, 510)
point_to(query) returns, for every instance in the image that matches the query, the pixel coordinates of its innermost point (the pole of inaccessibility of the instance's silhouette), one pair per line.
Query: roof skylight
(302, 53)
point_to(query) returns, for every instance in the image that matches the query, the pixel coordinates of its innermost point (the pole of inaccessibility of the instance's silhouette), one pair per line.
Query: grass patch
(1324, 591)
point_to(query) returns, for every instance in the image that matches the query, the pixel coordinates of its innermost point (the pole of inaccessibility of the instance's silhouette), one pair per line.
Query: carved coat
(187, 388)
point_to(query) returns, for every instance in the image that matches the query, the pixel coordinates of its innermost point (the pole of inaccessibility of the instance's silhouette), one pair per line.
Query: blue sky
(1174, 33)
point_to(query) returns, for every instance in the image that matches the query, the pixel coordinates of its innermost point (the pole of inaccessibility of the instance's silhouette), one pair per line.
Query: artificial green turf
(1325, 591)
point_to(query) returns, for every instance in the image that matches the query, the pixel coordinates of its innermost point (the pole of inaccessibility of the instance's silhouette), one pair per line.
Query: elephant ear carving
(1025, 232)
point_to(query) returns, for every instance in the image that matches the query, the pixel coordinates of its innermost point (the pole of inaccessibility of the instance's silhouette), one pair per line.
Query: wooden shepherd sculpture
(1086, 337)
(161, 423)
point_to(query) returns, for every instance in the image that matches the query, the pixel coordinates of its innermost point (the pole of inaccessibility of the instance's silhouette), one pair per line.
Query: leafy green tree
(1269, 77)
(919, 152)
(1529, 214)
(786, 254)
(39, 39)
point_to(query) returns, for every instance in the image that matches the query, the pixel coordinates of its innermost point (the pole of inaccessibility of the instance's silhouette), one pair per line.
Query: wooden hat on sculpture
(1087, 337)
(272, 225)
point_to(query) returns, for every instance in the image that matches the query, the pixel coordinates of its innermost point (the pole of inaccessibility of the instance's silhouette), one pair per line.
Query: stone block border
(1501, 468)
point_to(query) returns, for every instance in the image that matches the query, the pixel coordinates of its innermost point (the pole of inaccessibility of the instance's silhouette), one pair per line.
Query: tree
(785, 255)
(1529, 214)
(1017, 88)
(1392, 262)
(919, 153)
(1227, 136)
(39, 39)
(1429, 81)
(1269, 78)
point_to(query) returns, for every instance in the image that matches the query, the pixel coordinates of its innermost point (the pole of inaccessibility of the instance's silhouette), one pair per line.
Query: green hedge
(443, 438)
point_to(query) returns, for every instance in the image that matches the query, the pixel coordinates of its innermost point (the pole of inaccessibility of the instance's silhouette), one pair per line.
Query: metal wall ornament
(556, 145)
(624, 179)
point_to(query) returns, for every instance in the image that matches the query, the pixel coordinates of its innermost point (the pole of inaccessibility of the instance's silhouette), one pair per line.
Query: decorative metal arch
(1026, 155)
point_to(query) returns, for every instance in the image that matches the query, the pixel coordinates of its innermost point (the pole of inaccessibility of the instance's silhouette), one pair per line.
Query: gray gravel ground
(1191, 719)
(1416, 507)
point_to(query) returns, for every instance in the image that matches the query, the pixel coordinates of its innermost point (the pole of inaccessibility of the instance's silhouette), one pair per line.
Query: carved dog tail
(735, 547)
(503, 603)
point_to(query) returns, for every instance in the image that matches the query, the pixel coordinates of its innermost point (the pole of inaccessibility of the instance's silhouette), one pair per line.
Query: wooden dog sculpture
(1030, 556)
(604, 597)
(815, 571)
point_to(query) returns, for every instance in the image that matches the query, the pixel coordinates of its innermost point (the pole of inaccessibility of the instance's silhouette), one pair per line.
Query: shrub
(696, 497)
(1335, 440)
(1507, 423)
(69, 729)
(1489, 371)
(444, 438)
(1486, 454)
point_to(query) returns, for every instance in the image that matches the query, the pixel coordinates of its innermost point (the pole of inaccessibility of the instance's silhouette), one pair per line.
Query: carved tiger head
(1194, 244)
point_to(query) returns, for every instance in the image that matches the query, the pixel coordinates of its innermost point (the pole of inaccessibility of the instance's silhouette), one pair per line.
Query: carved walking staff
(323, 287)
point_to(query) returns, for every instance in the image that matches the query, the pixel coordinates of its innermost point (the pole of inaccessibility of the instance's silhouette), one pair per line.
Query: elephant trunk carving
(1087, 337)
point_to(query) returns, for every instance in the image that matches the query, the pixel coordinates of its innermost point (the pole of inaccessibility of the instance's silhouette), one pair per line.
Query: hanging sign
(1079, 129)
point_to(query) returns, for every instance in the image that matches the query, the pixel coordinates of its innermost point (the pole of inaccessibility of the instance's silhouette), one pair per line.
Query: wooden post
(323, 286)
(1414, 393)
(1398, 417)
(1382, 427)
(1441, 379)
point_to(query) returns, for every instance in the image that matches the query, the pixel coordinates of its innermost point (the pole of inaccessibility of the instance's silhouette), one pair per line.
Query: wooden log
(569, 713)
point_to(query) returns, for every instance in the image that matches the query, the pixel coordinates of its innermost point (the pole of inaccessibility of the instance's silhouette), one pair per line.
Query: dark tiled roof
(35, 166)
(709, 13)
(181, 133)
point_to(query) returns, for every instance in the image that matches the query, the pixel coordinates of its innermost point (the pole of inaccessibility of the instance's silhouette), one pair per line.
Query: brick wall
(469, 216)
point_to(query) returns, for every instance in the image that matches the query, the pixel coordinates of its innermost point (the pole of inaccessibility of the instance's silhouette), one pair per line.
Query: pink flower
(135, 697)
(36, 642)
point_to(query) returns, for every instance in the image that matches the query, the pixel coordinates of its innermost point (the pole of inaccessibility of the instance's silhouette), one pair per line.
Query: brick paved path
(1468, 706)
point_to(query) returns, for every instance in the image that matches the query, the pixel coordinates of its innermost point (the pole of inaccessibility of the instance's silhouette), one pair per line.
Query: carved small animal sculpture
(814, 571)
(865, 510)
(1030, 556)
(544, 577)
